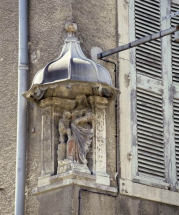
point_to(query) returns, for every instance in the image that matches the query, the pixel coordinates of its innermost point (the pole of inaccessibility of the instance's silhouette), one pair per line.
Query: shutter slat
(154, 102)
(176, 133)
(149, 118)
(150, 134)
(153, 49)
(141, 127)
(175, 67)
(143, 28)
(152, 151)
(175, 116)
(156, 2)
(177, 128)
(174, 8)
(154, 140)
(148, 5)
(176, 108)
(145, 51)
(150, 172)
(146, 112)
(143, 23)
(158, 170)
(152, 22)
(143, 119)
(151, 159)
(154, 164)
(149, 95)
(143, 57)
(146, 72)
(149, 145)
(149, 108)
(150, 155)
(148, 63)
(153, 127)
(175, 63)
(147, 16)
(144, 11)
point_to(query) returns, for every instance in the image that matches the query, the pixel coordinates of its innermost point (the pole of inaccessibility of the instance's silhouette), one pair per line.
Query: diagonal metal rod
(138, 42)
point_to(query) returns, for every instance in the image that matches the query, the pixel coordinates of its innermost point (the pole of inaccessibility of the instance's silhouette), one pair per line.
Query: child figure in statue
(65, 133)
(64, 127)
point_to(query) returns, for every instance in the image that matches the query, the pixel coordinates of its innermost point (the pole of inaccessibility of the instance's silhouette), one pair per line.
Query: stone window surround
(127, 184)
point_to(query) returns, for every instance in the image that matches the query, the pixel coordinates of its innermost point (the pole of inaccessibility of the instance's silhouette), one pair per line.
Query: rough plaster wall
(94, 204)
(135, 206)
(8, 104)
(57, 202)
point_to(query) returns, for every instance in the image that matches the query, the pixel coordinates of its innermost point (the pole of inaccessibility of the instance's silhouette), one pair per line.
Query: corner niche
(73, 93)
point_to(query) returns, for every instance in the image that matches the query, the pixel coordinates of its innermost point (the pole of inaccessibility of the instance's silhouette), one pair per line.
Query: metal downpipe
(22, 108)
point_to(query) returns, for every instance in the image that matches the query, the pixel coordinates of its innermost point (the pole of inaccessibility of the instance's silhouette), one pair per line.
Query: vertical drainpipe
(22, 108)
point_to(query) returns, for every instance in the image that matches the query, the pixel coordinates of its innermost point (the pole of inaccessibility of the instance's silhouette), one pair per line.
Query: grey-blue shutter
(149, 106)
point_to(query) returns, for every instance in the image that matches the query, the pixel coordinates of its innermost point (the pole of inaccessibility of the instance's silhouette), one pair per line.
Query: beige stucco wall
(8, 104)
(96, 27)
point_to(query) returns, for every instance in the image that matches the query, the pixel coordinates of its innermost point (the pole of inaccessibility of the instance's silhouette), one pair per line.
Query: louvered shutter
(150, 134)
(150, 155)
(147, 21)
(156, 83)
(175, 77)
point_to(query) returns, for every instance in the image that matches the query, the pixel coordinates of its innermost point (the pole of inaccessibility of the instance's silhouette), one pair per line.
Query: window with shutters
(150, 149)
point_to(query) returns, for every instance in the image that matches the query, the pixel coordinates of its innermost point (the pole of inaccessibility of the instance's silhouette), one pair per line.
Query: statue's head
(81, 100)
(67, 115)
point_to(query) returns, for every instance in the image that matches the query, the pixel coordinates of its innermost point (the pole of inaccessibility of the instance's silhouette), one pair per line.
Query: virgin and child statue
(75, 129)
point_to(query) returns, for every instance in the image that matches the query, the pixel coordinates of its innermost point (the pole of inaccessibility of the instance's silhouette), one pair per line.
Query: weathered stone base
(103, 179)
(71, 166)
(44, 180)
(46, 184)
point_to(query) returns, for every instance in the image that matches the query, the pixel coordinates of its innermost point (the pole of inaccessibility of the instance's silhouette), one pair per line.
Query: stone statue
(75, 129)
(81, 126)
(64, 127)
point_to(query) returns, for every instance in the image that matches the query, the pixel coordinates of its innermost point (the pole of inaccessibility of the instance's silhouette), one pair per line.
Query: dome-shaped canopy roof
(70, 74)
(72, 65)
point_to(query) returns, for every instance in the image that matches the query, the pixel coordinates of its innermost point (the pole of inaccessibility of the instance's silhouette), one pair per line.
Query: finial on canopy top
(71, 27)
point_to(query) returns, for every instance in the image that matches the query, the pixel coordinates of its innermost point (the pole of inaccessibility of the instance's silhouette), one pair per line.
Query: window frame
(130, 184)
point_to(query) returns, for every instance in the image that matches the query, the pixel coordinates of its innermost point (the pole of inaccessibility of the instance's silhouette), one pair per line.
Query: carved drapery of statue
(76, 133)
(75, 130)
